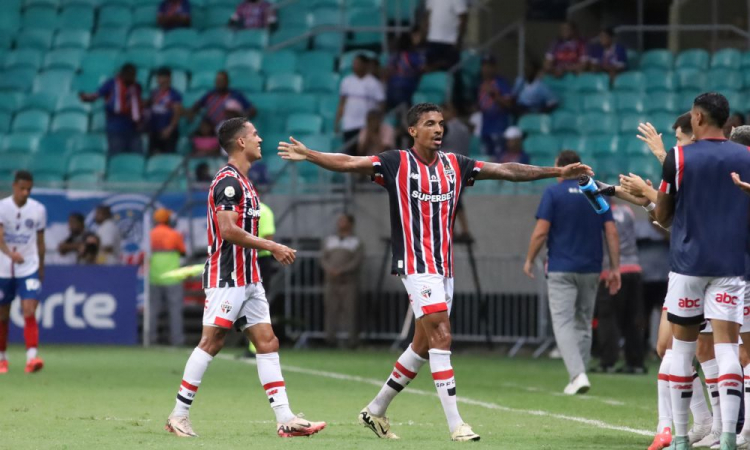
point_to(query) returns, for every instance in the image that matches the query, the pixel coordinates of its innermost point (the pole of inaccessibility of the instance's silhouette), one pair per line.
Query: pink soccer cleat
(661, 440)
(299, 427)
(34, 365)
(4, 366)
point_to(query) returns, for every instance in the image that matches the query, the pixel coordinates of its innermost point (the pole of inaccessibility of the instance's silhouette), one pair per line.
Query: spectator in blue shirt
(173, 14)
(404, 69)
(165, 107)
(122, 103)
(606, 55)
(573, 233)
(495, 102)
(215, 101)
(530, 93)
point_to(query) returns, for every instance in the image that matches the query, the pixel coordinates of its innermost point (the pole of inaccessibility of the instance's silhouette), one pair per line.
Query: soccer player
(22, 223)
(698, 200)
(234, 292)
(423, 185)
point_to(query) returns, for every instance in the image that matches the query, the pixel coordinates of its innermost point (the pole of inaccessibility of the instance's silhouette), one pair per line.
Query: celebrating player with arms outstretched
(22, 223)
(423, 186)
(231, 278)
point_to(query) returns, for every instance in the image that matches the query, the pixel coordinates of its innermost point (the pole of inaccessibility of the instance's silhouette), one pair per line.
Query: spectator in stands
(404, 69)
(90, 253)
(165, 106)
(73, 246)
(495, 101)
(109, 236)
(205, 142)
(377, 136)
(174, 14)
(254, 14)
(572, 231)
(735, 120)
(446, 24)
(122, 103)
(215, 101)
(531, 94)
(606, 55)
(513, 152)
(456, 135)
(203, 173)
(360, 92)
(342, 258)
(567, 53)
(167, 246)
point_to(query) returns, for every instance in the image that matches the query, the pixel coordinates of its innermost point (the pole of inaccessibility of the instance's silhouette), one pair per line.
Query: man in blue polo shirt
(573, 232)
(165, 107)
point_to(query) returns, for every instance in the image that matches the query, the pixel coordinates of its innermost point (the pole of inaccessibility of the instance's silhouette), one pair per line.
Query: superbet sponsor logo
(689, 303)
(727, 299)
(682, 387)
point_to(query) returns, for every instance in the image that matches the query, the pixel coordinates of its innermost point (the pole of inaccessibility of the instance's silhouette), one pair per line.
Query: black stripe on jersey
(451, 208)
(416, 213)
(436, 219)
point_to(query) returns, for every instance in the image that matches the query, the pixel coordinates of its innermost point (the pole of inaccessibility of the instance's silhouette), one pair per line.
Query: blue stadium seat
(5, 118)
(316, 60)
(221, 38)
(541, 145)
(322, 82)
(564, 121)
(44, 16)
(724, 79)
(629, 102)
(329, 40)
(737, 101)
(218, 16)
(70, 102)
(98, 122)
(662, 102)
(202, 80)
(592, 82)
(657, 59)
(535, 123)
(597, 123)
(691, 78)
(43, 101)
(143, 58)
(69, 38)
(112, 38)
(35, 38)
(91, 143)
(657, 80)
(636, 147)
(87, 181)
(25, 58)
(695, 58)
(33, 3)
(745, 63)
(145, 15)
(662, 121)
(174, 58)
(327, 105)
(114, 16)
(51, 164)
(436, 84)
(402, 11)
(77, 17)
(629, 123)
(728, 58)
(17, 79)
(570, 101)
(244, 59)
(64, 58)
(247, 82)
(319, 142)
(279, 62)
(148, 38)
(293, 17)
(255, 39)
(185, 38)
(364, 18)
(71, 122)
(208, 60)
(126, 163)
(162, 164)
(630, 82)
(304, 123)
(79, 163)
(284, 82)
(24, 142)
(87, 82)
(57, 80)
(602, 102)
(602, 145)
(129, 178)
(34, 121)
(54, 143)
(293, 37)
(10, 101)
(323, 16)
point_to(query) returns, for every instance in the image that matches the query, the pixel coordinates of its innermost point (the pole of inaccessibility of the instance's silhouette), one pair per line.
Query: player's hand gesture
(741, 184)
(284, 254)
(652, 138)
(528, 269)
(634, 185)
(575, 170)
(294, 151)
(16, 257)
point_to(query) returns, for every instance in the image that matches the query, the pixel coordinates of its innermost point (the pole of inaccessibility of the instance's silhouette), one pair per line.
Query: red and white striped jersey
(230, 265)
(423, 200)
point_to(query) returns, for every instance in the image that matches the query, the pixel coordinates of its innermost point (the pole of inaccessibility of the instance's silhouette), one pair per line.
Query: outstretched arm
(337, 162)
(524, 172)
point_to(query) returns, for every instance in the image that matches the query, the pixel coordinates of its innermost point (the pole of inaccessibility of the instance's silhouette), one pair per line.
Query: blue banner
(84, 305)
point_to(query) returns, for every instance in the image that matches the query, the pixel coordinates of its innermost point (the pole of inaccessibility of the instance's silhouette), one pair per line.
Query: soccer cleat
(579, 385)
(711, 439)
(464, 433)
(662, 440)
(379, 425)
(728, 441)
(742, 444)
(299, 427)
(680, 443)
(180, 426)
(34, 365)
(4, 366)
(698, 432)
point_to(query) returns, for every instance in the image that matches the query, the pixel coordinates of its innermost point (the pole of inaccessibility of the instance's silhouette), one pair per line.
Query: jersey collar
(418, 158)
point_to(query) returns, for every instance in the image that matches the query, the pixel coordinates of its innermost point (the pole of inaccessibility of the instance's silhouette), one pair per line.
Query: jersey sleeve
(668, 174)
(469, 169)
(42, 224)
(228, 195)
(386, 167)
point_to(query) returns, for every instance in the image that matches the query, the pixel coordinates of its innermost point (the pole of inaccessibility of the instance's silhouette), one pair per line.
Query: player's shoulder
(36, 204)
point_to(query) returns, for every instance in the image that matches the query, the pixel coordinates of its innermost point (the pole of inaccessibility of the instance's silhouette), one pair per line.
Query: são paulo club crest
(425, 291)
(226, 306)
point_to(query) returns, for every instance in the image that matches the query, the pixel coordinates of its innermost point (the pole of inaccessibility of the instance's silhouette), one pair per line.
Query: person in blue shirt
(531, 94)
(495, 101)
(173, 14)
(573, 233)
(606, 55)
(122, 103)
(215, 101)
(404, 69)
(165, 107)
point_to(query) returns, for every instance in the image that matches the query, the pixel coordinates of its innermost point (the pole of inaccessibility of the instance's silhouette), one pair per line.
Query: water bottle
(588, 187)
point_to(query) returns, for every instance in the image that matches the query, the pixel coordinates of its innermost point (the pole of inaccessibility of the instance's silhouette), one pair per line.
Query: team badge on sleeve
(229, 191)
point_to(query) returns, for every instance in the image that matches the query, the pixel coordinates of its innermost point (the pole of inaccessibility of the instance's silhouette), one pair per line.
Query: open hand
(652, 138)
(740, 184)
(575, 170)
(284, 254)
(16, 257)
(634, 185)
(294, 151)
(528, 269)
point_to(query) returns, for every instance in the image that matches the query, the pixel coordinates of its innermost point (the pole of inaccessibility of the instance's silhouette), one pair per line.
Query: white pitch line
(466, 400)
(606, 401)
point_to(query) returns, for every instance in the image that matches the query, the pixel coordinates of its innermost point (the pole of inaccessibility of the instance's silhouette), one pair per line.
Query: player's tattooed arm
(525, 172)
(233, 234)
(336, 162)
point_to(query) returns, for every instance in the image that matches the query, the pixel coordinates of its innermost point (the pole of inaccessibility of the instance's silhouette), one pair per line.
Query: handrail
(579, 6)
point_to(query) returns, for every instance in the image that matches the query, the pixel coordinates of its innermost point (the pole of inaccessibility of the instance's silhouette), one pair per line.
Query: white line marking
(587, 397)
(466, 400)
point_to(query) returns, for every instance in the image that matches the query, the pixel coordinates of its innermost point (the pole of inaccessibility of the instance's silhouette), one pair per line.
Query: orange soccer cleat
(662, 440)
(4, 366)
(34, 365)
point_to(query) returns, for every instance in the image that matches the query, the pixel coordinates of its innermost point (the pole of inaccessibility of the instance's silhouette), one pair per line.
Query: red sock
(3, 335)
(31, 332)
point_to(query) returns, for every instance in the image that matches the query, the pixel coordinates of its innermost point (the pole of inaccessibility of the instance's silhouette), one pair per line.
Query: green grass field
(112, 397)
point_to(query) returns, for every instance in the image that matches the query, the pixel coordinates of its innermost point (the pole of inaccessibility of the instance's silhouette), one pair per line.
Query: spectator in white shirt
(360, 93)
(446, 25)
(109, 236)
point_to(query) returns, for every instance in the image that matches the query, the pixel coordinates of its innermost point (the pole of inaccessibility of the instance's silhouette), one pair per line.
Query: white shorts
(745, 316)
(428, 293)
(691, 299)
(242, 306)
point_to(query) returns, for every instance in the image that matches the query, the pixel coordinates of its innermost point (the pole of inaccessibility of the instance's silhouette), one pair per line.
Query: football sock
(698, 406)
(31, 336)
(730, 385)
(194, 369)
(746, 427)
(3, 338)
(681, 383)
(664, 398)
(445, 383)
(406, 368)
(269, 372)
(711, 371)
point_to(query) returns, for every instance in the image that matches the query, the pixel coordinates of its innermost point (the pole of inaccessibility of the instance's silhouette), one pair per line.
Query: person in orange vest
(167, 246)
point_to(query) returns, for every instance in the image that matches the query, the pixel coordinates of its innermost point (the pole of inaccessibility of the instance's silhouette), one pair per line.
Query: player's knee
(28, 310)
(661, 349)
(441, 338)
(268, 345)
(211, 344)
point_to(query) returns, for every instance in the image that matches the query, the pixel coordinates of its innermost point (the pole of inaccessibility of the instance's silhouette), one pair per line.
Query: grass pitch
(119, 398)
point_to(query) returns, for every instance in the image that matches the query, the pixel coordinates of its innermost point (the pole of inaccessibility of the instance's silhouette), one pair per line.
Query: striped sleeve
(669, 178)
(228, 194)
(385, 167)
(469, 169)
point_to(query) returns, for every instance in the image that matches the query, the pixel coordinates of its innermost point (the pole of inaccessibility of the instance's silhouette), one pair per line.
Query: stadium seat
(106, 38)
(185, 38)
(724, 79)
(602, 145)
(662, 121)
(541, 145)
(126, 163)
(175, 58)
(745, 63)
(89, 143)
(439, 82)
(535, 123)
(629, 123)
(564, 121)
(329, 40)
(211, 60)
(50, 164)
(57, 80)
(77, 17)
(84, 181)
(728, 58)
(221, 38)
(88, 162)
(636, 147)
(32, 3)
(603, 102)
(24, 58)
(162, 164)
(662, 102)
(691, 78)
(143, 58)
(65, 58)
(322, 16)
(364, 18)
(10, 101)
(98, 122)
(5, 118)
(292, 40)
(190, 97)
(69, 38)
(218, 16)
(43, 101)
(695, 58)
(26, 142)
(294, 17)
(570, 101)
(129, 178)
(280, 62)
(43, 16)
(592, 82)
(72, 122)
(317, 61)
(304, 123)
(17, 79)
(597, 123)
(629, 102)
(247, 82)
(202, 81)
(54, 143)
(145, 15)
(737, 101)
(402, 11)
(322, 82)
(114, 16)
(254, 39)
(70, 102)
(657, 80)
(630, 82)
(319, 142)
(87, 82)
(149, 38)
(327, 106)
(657, 59)
(244, 60)
(35, 38)
(34, 121)
(284, 82)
